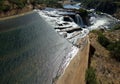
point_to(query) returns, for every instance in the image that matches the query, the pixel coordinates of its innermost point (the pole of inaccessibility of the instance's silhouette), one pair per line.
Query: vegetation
(116, 27)
(113, 47)
(103, 40)
(91, 76)
(51, 3)
(3, 7)
(97, 32)
(115, 50)
(83, 12)
(108, 6)
(18, 3)
(6, 5)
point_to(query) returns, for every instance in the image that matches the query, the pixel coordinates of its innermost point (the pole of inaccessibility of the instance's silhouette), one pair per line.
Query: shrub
(1, 5)
(19, 3)
(98, 12)
(50, 3)
(90, 76)
(83, 12)
(4, 8)
(103, 40)
(116, 27)
(115, 50)
(98, 32)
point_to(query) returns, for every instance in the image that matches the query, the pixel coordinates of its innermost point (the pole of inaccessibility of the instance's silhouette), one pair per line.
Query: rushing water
(102, 21)
(69, 6)
(79, 20)
(31, 52)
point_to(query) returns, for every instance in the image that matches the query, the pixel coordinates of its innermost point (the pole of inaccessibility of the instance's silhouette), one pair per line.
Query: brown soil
(75, 72)
(107, 69)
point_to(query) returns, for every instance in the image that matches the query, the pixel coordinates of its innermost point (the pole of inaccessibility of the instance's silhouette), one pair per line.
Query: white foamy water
(67, 59)
(102, 21)
(99, 23)
(58, 19)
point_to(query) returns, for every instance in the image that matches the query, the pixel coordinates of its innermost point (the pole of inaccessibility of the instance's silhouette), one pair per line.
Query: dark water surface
(30, 50)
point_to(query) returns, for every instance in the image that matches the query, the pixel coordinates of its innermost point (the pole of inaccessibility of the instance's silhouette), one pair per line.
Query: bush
(103, 40)
(50, 3)
(2, 5)
(19, 3)
(116, 27)
(98, 12)
(4, 8)
(115, 50)
(83, 12)
(98, 32)
(90, 76)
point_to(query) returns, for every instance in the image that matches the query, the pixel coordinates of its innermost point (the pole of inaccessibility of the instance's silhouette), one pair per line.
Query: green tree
(4, 7)
(18, 3)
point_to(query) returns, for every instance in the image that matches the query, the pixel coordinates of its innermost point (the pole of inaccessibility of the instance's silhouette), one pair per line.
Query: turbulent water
(79, 20)
(102, 21)
(31, 52)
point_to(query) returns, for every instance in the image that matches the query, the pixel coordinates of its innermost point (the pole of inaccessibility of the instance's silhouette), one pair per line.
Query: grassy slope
(107, 69)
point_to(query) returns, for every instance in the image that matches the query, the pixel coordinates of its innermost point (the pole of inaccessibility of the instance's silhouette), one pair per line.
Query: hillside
(107, 6)
(13, 7)
(105, 63)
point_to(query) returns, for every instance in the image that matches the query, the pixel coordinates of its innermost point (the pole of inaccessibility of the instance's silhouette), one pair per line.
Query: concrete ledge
(75, 73)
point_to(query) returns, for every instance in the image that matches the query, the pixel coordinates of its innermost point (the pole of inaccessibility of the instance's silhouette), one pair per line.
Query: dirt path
(75, 73)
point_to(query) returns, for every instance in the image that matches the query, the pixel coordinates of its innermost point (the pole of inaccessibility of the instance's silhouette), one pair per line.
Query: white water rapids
(103, 21)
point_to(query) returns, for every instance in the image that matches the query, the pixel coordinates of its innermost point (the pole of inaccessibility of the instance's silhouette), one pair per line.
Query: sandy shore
(75, 72)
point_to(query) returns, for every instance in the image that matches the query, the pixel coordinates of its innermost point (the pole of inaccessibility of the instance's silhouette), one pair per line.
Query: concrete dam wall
(31, 52)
